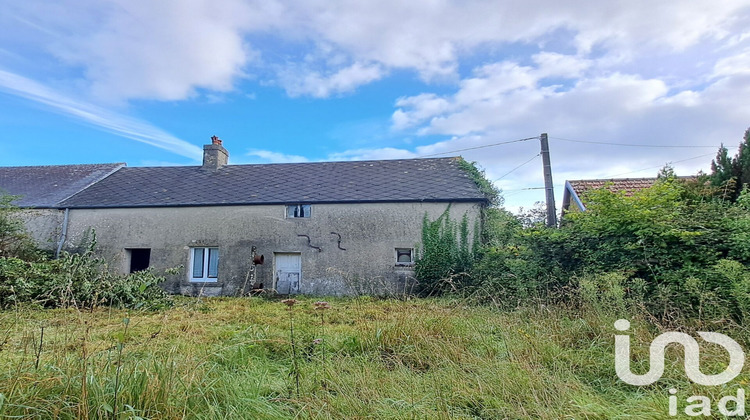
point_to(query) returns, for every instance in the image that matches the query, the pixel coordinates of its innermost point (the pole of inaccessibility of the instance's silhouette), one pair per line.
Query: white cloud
(505, 100)
(422, 106)
(372, 154)
(268, 156)
(551, 64)
(142, 49)
(306, 81)
(732, 65)
(100, 118)
(134, 49)
(629, 72)
(275, 157)
(432, 37)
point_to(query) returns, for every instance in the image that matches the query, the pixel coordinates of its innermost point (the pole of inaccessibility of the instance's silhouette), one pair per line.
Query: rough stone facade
(370, 234)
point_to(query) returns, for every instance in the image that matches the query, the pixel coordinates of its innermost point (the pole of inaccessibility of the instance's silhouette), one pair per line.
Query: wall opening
(140, 258)
(404, 256)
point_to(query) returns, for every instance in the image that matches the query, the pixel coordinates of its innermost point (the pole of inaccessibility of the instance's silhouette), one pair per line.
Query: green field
(365, 358)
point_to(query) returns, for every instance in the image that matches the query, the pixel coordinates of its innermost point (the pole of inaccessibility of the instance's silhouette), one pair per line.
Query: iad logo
(692, 357)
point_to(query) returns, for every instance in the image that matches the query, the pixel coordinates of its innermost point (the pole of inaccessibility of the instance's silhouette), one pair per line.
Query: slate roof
(47, 186)
(408, 180)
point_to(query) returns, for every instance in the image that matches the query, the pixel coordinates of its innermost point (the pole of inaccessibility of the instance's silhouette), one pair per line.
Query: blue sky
(148, 83)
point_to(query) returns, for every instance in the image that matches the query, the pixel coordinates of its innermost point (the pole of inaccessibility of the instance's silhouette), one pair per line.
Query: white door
(288, 273)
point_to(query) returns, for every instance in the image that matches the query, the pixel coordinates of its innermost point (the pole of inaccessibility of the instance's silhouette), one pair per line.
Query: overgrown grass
(368, 358)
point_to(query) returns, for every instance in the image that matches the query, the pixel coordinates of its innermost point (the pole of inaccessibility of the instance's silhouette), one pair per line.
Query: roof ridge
(613, 179)
(115, 169)
(649, 178)
(319, 162)
(64, 165)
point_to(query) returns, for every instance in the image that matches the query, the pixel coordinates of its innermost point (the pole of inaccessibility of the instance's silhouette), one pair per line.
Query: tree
(667, 172)
(14, 240)
(730, 174)
(741, 162)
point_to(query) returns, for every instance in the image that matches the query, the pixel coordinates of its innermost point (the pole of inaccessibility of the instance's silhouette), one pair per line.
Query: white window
(204, 264)
(404, 256)
(297, 210)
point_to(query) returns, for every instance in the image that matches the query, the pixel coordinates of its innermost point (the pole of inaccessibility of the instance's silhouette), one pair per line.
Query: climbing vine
(485, 186)
(446, 254)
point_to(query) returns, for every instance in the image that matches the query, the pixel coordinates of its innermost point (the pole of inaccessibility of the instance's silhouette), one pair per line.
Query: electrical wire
(634, 145)
(517, 167)
(661, 166)
(480, 147)
(530, 188)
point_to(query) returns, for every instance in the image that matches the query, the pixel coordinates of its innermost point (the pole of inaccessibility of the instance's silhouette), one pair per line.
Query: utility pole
(550, 191)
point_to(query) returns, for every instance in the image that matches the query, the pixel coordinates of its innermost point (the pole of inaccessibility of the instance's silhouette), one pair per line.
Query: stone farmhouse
(314, 228)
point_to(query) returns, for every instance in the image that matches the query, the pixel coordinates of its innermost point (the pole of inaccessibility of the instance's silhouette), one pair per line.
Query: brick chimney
(214, 155)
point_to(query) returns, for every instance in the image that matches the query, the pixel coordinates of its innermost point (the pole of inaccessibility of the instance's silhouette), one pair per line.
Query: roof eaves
(275, 203)
(574, 195)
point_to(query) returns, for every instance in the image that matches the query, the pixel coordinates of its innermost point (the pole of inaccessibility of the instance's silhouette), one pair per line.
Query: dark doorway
(139, 259)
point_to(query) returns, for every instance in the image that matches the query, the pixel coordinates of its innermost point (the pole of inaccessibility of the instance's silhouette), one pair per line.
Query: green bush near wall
(81, 280)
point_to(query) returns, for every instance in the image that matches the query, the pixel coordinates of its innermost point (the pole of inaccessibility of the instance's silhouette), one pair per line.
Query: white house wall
(370, 233)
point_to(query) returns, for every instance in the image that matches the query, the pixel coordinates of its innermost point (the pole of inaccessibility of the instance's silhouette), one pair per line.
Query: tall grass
(230, 358)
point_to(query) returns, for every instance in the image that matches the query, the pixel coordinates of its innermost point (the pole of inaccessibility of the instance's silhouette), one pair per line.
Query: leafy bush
(77, 280)
(14, 241)
(672, 249)
(604, 291)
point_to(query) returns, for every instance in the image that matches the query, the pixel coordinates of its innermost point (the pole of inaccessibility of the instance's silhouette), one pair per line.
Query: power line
(529, 188)
(517, 167)
(667, 146)
(480, 147)
(661, 166)
(516, 191)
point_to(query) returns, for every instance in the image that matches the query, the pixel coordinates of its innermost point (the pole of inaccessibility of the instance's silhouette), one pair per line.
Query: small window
(298, 210)
(139, 258)
(204, 263)
(404, 256)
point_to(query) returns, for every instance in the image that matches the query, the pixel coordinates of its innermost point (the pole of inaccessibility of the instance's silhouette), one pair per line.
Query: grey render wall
(370, 233)
(44, 226)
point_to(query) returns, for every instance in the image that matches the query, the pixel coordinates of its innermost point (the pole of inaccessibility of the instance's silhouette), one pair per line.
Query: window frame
(295, 207)
(206, 269)
(399, 251)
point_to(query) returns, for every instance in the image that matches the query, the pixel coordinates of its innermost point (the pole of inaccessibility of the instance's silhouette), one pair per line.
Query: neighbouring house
(573, 195)
(40, 190)
(317, 228)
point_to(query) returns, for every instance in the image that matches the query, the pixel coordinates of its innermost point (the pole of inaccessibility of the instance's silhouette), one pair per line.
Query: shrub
(77, 280)
(672, 249)
(603, 292)
(14, 241)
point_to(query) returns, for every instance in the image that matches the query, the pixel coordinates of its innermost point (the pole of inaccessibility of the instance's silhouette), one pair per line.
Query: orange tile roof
(629, 185)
